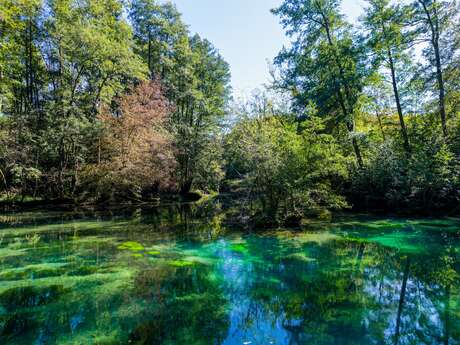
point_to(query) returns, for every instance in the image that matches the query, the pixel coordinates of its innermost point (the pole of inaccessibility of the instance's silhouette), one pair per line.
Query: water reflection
(178, 275)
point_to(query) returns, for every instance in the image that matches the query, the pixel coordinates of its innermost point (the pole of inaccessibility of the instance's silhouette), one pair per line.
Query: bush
(289, 172)
(426, 181)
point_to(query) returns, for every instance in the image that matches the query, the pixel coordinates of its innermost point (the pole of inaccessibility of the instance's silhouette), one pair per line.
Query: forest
(112, 101)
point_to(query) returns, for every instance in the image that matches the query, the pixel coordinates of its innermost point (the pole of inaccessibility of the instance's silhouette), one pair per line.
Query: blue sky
(245, 32)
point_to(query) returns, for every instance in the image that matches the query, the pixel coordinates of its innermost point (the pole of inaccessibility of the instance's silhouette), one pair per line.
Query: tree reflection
(179, 275)
(184, 306)
(348, 292)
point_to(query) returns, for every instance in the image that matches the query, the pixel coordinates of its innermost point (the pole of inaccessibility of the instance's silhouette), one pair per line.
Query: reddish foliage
(137, 149)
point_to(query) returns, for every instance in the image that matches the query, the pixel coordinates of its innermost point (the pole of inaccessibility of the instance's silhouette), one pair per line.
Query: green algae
(114, 282)
(181, 263)
(399, 241)
(34, 271)
(7, 252)
(73, 227)
(301, 238)
(239, 248)
(83, 271)
(203, 260)
(29, 296)
(133, 246)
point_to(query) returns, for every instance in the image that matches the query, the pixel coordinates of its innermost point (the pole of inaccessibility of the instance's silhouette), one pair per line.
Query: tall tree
(159, 33)
(20, 61)
(136, 150)
(433, 18)
(90, 54)
(67, 57)
(389, 43)
(324, 64)
(10, 28)
(201, 110)
(195, 76)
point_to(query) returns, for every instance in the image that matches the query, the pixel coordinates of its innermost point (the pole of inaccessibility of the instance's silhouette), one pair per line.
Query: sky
(246, 34)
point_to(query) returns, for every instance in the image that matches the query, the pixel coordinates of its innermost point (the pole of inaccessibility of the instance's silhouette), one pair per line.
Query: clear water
(178, 276)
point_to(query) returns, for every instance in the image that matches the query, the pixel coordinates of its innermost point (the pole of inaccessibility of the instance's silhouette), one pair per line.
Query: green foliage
(291, 173)
(425, 182)
(197, 82)
(74, 123)
(325, 66)
(408, 159)
(64, 62)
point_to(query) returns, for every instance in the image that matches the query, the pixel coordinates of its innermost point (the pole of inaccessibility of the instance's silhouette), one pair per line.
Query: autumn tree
(197, 82)
(135, 153)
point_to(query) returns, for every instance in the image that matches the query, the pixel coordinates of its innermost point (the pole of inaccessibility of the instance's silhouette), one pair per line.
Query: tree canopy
(109, 101)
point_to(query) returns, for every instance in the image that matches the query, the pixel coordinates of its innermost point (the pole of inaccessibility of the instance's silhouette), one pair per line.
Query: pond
(179, 275)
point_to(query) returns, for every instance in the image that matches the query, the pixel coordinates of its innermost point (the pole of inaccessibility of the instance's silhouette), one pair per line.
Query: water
(179, 276)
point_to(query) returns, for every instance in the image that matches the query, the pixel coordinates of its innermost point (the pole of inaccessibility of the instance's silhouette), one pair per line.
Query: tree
(20, 61)
(433, 19)
(160, 35)
(324, 65)
(67, 58)
(287, 174)
(196, 80)
(389, 42)
(91, 54)
(201, 110)
(136, 151)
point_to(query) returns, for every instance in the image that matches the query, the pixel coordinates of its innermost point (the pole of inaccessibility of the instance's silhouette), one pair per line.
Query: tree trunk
(433, 22)
(150, 55)
(398, 104)
(379, 118)
(442, 91)
(186, 187)
(447, 316)
(348, 113)
(402, 298)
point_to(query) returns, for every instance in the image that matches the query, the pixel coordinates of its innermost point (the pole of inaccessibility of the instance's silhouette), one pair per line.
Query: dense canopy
(113, 101)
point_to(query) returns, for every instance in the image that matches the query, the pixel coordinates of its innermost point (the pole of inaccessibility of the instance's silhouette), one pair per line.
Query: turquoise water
(176, 275)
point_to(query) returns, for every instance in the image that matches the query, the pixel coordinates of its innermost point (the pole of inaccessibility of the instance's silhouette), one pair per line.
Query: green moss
(400, 241)
(96, 337)
(83, 271)
(29, 296)
(386, 224)
(320, 237)
(199, 260)
(181, 263)
(153, 252)
(239, 247)
(70, 227)
(133, 246)
(8, 252)
(273, 280)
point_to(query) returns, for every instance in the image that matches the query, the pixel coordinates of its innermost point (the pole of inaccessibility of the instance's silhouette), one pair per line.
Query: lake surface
(177, 275)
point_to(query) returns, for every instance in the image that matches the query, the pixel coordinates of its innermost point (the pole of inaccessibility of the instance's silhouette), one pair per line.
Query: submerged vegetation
(166, 276)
